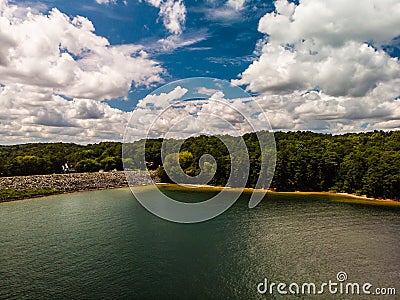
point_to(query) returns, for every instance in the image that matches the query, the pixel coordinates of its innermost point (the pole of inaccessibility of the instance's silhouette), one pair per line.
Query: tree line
(49, 158)
(359, 163)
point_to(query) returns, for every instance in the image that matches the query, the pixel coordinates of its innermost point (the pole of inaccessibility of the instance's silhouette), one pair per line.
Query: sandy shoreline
(359, 199)
(80, 182)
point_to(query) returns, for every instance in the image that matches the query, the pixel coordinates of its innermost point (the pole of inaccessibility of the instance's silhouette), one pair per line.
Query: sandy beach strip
(78, 182)
(340, 197)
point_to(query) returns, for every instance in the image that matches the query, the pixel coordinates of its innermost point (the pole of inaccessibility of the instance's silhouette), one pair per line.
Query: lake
(105, 245)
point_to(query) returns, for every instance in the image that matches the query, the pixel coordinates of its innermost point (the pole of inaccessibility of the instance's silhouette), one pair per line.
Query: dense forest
(49, 158)
(363, 163)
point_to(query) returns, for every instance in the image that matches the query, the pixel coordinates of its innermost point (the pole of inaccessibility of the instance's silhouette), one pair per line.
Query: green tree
(110, 163)
(88, 165)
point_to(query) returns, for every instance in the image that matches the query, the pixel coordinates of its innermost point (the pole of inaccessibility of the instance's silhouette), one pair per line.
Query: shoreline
(359, 199)
(29, 187)
(85, 182)
(38, 196)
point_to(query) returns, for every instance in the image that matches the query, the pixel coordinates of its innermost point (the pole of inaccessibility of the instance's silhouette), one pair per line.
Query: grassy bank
(8, 194)
(11, 194)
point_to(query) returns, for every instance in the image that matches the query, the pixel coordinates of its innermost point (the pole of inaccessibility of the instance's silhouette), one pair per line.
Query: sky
(77, 71)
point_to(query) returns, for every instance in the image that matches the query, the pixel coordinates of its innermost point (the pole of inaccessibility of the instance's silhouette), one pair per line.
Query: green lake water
(105, 245)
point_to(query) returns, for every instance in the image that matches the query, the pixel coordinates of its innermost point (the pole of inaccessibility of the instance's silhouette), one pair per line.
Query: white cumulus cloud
(228, 11)
(66, 55)
(171, 115)
(335, 48)
(106, 1)
(30, 114)
(172, 14)
(236, 4)
(55, 72)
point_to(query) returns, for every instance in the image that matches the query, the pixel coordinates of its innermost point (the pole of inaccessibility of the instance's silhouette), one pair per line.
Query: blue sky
(225, 46)
(74, 70)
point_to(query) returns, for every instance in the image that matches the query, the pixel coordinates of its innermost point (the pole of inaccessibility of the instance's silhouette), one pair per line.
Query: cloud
(229, 11)
(55, 72)
(106, 1)
(162, 100)
(333, 22)
(172, 14)
(236, 4)
(32, 114)
(175, 114)
(352, 69)
(64, 54)
(173, 42)
(321, 112)
(206, 91)
(328, 47)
